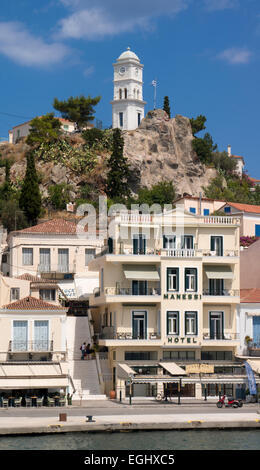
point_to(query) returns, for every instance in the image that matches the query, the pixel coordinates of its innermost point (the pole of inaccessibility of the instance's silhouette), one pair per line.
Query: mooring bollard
(90, 420)
(63, 416)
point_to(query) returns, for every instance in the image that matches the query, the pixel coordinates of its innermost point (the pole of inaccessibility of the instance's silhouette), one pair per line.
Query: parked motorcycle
(229, 402)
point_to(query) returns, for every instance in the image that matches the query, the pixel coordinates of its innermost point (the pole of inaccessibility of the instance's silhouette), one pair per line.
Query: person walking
(83, 351)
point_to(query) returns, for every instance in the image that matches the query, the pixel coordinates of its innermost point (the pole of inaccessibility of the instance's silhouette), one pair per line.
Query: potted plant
(248, 339)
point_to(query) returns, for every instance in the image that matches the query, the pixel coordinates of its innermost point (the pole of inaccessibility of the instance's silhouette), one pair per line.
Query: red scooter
(229, 402)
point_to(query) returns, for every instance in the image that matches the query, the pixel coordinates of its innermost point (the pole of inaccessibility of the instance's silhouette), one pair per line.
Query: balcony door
(216, 325)
(139, 324)
(20, 335)
(216, 287)
(45, 260)
(139, 244)
(216, 244)
(41, 335)
(63, 260)
(139, 287)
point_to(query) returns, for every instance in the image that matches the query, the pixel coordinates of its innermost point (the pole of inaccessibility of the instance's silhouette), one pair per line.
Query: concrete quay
(191, 417)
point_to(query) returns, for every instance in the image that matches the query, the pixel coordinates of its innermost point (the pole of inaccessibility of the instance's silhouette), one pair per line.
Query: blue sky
(204, 54)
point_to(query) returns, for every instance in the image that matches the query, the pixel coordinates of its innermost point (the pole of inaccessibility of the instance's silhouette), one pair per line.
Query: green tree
(44, 129)
(6, 189)
(166, 106)
(161, 193)
(30, 197)
(12, 217)
(197, 124)
(79, 109)
(118, 169)
(59, 195)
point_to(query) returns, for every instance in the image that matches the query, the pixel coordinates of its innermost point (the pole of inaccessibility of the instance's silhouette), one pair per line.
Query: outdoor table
(34, 401)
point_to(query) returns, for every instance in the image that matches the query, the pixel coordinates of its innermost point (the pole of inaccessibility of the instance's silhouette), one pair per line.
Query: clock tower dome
(128, 104)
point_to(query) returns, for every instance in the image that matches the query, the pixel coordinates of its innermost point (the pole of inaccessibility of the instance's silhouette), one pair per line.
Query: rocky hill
(160, 149)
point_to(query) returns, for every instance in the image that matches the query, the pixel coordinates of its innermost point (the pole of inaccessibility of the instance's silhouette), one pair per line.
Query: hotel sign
(182, 296)
(200, 368)
(181, 340)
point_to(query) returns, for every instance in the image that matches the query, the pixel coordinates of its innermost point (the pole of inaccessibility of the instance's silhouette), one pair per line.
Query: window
(206, 212)
(184, 355)
(216, 287)
(27, 254)
(138, 119)
(190, 279)
(139, 287)
(216, 325)
(193, 210)
(216, 355)
(169, 241)
(15, 293)
(63, 260)
(89, 255)
(41, 335)
(120, 93)
(191, 323)
(139, 244)
(216, 245)
(121, 119)
(45, 260)
(47, 294)
(125, 93)
(102, 279)
(141, 356)
(20, 335)
(65, 127)
(227, 210)
(172, 279)
(172, 323)
(187, 242)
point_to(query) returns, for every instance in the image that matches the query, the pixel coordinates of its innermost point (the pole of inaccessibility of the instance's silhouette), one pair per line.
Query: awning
(219, 272)
(255, 365)
(22, 376)
(144, 272)
(173, 368)
(21, 383)
(124, 371)
(30, 370)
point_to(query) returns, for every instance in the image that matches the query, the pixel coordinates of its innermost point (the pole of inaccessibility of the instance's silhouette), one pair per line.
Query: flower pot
(112, 394)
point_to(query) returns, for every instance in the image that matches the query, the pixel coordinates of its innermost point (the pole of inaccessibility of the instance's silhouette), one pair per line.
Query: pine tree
(118, 173)
(78, 109)
(30, 198)
(166, 106)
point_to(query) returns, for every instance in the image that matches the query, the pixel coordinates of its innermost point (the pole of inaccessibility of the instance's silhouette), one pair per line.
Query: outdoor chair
(28, 402)
(62, 402)
(17, 402)
(5, 402)
(39, 402)
(51, 401)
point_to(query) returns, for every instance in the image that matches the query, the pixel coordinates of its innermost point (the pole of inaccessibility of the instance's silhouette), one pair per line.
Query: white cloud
(93, 19)
(89, 71)
(22, 47)
(214, 5)
(235, 55)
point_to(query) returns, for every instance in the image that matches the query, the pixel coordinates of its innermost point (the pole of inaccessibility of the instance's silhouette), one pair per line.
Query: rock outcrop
(160, 149)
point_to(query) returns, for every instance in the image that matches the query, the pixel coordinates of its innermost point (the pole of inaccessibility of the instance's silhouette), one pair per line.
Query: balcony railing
(109, 333)
(222, 292)
(179, 253)
(220, 336)
(60, 268)
(170, 218)
(208, 252)
(31, 346)
(130, 291)
(254, 348)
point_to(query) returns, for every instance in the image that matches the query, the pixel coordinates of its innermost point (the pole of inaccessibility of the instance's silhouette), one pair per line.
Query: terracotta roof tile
(250, 295)
(31, 303)
(36, 279)
(245, 207)
(57, 226)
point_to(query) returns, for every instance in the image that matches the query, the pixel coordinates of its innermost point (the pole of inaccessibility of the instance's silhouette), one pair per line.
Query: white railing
(179, 253)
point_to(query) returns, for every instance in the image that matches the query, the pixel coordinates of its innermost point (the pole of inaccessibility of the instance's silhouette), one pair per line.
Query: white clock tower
(128, 104)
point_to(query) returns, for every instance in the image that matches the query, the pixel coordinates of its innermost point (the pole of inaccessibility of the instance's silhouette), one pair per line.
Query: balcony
(254, 349)
(64, 271)
(110, 333)
(30, 346)
(231, 253)
(222, 293)
(169, 218)
(221, 336)
(179, 253)
(130, 291)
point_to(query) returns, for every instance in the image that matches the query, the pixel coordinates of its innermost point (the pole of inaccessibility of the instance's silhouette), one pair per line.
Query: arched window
(120, 93)
(138, 94)
(125, 93)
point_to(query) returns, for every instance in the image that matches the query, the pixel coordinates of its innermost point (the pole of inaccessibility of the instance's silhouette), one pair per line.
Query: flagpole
(154, 83)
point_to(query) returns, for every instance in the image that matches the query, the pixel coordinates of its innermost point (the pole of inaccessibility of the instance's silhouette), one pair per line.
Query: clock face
(122, 70)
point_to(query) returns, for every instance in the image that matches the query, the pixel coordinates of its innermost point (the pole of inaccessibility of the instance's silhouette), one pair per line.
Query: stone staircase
(84, 374)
